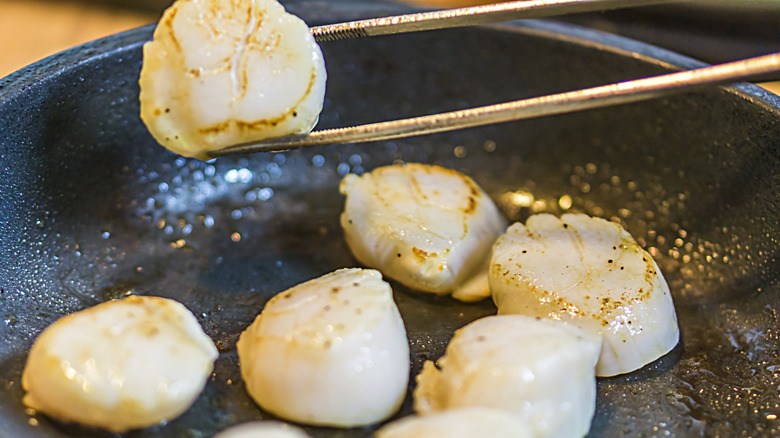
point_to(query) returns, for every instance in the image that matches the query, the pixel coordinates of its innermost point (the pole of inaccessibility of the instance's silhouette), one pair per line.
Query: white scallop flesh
(592, 273)
(458, 423)
(119, 365)
(541, 371)
(331, 351)
(428, 227)
(223, 72)
(263, 429)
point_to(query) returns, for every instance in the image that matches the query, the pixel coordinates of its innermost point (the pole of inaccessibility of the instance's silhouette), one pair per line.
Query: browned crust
(258, 124)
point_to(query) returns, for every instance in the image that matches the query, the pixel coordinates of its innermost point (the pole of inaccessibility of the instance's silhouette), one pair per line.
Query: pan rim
(15, 84)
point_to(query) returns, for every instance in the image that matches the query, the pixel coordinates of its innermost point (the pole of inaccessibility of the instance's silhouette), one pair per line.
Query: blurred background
(710, 30)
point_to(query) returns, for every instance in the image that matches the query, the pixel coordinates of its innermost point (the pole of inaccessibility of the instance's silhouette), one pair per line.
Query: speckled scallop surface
(331, 351)
(589, 272)
(428, 227)
(120, 365)
(225, 72)
(540, 370)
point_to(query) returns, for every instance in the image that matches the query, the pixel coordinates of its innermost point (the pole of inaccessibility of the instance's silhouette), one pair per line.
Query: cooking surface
(93, 209)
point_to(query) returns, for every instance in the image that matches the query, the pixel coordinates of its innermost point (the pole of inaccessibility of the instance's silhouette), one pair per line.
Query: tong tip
(331, 33)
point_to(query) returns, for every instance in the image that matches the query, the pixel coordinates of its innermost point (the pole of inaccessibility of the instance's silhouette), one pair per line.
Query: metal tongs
(589, 98)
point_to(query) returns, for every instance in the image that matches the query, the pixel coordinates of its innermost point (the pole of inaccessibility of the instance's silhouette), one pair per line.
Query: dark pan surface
(92, 209)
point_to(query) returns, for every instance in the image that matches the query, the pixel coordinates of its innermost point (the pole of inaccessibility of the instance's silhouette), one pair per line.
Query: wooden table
(34, 29)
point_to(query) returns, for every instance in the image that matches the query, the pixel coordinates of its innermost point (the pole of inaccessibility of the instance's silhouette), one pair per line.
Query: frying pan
(93, 209)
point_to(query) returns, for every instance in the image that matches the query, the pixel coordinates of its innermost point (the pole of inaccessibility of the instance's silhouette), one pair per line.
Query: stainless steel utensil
(588, 98)
(470, 16)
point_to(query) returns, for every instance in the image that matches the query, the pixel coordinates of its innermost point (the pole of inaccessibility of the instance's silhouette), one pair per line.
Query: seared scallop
(222, 72)
(458, 423)
(540, 371)
(589, 272)
(120, 365)
(263, 429)
(427, 227)
(331, 351)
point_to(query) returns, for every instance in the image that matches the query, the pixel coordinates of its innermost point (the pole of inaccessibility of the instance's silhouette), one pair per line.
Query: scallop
(263, 429)
(331, 351)
(120, 365)
(540, 371)
(223, 72)
(458, 423)
(589, 272)
(425, 226)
